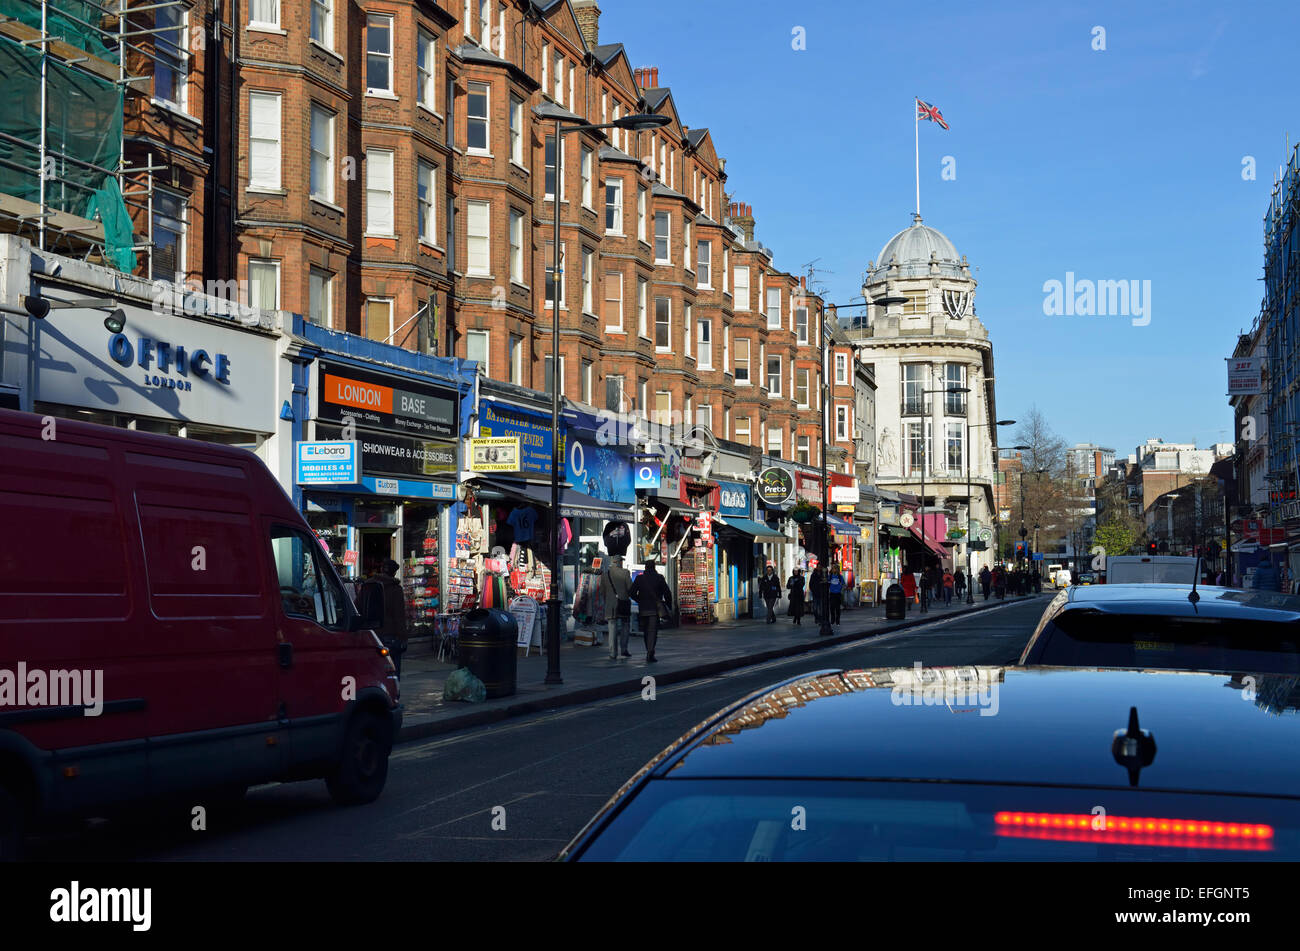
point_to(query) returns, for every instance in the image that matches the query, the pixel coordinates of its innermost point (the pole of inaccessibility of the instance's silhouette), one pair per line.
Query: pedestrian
(769, 588)
(959, 581)
(948, 583)
(908, 581)
(817, 590)
(649, 591)
(1000, 582)
(796, 586)
(616, 585)
(836, 585)
(384, 585)
(986, 581)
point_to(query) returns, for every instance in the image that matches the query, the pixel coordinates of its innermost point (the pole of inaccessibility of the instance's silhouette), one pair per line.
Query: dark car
(1163, 626)
(976, 763)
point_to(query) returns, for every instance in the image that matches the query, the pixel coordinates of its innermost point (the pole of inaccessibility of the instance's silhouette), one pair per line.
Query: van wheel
(363, 769)
(11, 826)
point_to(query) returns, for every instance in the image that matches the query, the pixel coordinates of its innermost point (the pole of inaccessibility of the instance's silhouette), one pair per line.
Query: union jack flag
(926, 111)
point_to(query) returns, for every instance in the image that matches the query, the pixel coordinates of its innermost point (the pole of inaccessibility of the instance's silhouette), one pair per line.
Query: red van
(170, 628)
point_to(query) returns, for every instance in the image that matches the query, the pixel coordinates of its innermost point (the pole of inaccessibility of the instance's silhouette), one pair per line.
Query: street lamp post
(636, 122)
(970, 587)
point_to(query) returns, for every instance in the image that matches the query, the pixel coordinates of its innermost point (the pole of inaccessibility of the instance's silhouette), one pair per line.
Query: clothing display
(523, 520)
(617, 537)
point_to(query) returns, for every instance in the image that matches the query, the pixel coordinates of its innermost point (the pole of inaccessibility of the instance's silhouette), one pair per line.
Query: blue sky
(1122, 164)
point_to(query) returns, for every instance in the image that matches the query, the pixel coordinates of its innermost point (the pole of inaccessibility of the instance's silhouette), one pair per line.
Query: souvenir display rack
(421, 584)
(695, 585)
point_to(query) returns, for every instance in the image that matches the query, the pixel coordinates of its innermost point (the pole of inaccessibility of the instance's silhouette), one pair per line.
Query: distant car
(1162, 626)
(1150, 569)
(991, 764)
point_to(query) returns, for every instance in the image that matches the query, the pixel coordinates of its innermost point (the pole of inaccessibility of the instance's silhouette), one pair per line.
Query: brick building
(392, 172)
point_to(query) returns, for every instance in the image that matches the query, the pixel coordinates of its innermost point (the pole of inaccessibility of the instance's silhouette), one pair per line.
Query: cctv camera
(38, 307)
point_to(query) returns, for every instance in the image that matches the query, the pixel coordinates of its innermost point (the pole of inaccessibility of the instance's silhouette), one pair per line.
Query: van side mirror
(370, 606)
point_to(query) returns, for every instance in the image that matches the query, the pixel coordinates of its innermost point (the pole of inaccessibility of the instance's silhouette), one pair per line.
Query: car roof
(1214, 733)
(1174, 600)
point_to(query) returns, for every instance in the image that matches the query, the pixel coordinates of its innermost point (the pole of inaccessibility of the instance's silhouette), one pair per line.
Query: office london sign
(775, 485)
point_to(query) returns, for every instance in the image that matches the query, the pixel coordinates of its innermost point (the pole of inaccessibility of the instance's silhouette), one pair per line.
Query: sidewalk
(684, 653)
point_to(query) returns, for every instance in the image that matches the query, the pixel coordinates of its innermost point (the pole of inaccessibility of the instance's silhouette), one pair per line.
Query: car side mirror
(370, 607)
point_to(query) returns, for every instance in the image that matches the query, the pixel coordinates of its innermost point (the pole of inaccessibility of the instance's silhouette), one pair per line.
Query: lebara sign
(775, 486)
(326, 462)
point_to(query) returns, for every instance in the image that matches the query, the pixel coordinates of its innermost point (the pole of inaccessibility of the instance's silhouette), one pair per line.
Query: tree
(1118, 536)
(1048, 498)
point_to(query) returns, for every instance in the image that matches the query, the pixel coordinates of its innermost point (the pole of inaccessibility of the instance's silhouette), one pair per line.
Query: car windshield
(1099, 639)
(734, 820)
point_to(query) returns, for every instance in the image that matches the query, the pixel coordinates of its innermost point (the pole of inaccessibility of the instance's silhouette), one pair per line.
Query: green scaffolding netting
(83, 123)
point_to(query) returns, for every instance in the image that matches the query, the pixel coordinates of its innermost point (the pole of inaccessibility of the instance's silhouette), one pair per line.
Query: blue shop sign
(533, 429)
(733, 499)
(603, 472)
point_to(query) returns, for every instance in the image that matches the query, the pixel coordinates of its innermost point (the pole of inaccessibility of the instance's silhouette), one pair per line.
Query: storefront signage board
(775, 486)
(387, 454)
(494, 454)
(385, 402)
(533, 429)
(331, 462)
(161, 365)
(603, 472)
(733, 499)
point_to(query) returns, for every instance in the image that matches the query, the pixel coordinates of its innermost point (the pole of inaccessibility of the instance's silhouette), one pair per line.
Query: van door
(323, 665)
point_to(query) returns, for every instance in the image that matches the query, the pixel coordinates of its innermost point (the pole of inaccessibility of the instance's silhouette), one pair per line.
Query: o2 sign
(646, 474)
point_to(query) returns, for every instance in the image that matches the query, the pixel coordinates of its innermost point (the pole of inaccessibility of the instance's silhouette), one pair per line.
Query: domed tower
(932, 341)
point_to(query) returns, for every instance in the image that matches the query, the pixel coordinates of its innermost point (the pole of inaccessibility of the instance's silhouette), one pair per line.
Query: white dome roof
(911, 250)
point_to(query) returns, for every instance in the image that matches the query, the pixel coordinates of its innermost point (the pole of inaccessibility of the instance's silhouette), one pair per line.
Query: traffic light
(1151, 548)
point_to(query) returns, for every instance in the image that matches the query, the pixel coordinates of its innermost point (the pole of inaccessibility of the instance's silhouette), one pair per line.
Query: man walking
(648, 591)
(959, 579)
(616, 585)
(948, 583)
(769, 589)
(986, 581)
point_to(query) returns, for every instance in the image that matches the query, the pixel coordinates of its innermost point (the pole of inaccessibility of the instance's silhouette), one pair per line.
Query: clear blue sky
(1117, 165)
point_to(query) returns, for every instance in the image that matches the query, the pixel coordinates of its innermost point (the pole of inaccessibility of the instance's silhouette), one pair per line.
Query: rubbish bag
(462, 685)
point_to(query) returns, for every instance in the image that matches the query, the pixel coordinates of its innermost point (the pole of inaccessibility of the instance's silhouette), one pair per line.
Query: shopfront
(389, 499)
(740, 550)
(506, 538)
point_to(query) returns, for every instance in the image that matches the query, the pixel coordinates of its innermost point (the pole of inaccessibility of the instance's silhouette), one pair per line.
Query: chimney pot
(654, 77)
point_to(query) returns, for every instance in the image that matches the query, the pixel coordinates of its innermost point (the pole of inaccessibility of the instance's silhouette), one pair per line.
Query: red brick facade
(649, 325)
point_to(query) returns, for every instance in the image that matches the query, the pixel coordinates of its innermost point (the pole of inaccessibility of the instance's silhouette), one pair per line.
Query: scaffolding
(66, 181)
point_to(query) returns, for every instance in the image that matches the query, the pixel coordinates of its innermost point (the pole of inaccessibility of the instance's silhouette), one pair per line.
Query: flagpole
(916, 131)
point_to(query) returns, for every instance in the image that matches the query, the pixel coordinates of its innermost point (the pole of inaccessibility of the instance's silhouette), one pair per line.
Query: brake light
(1133, 830)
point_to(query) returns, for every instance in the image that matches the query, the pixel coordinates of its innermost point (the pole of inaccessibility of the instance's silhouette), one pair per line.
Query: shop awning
(573, 504)
(929, 541)
(843, 527)
(674, 506)
(748, 526)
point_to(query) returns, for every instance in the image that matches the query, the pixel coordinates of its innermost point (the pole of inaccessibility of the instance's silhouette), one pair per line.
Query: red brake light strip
(1133, 830)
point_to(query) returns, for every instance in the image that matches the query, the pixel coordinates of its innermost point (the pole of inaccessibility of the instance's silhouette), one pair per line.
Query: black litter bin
(486, 646)
(895, 602)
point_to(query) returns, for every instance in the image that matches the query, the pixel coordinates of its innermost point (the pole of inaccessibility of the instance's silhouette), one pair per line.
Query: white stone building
(931, 342)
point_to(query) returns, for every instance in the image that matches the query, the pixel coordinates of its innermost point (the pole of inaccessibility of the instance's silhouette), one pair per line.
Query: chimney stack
(743, 218)
(588, 16)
